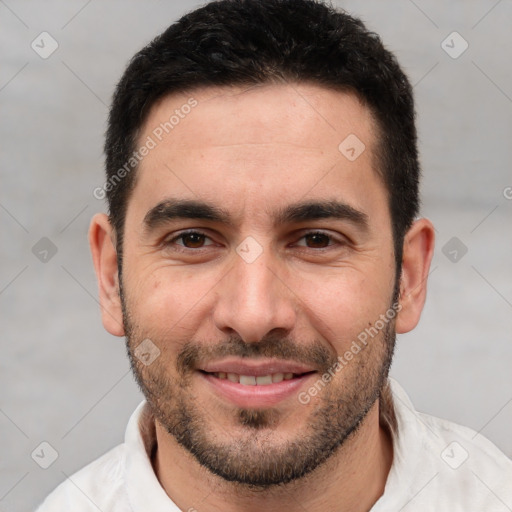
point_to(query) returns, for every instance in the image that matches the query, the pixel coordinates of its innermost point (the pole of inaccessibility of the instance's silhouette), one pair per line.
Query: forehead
(302, 114)
(258, 146)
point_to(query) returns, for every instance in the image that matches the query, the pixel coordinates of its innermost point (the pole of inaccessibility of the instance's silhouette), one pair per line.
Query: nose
(253, 299)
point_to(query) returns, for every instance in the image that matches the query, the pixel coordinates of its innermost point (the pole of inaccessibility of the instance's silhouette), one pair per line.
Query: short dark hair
(250, 42)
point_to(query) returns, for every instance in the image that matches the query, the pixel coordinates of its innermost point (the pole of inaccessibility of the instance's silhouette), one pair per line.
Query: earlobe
(104, 255)
(418, 250)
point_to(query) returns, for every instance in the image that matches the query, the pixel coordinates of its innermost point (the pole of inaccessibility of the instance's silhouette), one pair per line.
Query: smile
(255, 380)
(254, 384)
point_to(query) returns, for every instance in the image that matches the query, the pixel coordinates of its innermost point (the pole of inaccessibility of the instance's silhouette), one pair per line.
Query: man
(262, 251)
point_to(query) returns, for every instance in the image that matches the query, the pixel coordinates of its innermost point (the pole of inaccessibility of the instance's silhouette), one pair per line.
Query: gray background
(65, 381)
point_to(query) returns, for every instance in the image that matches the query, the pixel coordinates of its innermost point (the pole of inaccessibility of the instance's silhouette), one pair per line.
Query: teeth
(251, 380)
(248, 380)
(264, 380)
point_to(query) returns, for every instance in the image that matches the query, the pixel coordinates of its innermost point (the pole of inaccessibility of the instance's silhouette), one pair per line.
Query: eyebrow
(171, 209)
(315, 210)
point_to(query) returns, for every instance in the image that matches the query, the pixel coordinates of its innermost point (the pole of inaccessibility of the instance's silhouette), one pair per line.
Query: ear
(104, 255)
(418, 250)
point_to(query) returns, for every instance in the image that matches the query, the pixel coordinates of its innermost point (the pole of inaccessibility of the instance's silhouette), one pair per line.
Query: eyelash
(172, 241)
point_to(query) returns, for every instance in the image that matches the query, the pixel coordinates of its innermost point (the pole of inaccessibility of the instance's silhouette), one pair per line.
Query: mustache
(315, 354)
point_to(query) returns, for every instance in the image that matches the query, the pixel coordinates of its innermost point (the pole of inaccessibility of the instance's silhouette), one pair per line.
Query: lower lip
(256, 396)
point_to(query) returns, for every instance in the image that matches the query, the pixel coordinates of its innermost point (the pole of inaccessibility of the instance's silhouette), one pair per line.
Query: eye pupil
(193, 240)
(317, 240)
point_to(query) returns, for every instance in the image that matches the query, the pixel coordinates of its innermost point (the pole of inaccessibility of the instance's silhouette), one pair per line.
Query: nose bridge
(252, 300)
(256, 283)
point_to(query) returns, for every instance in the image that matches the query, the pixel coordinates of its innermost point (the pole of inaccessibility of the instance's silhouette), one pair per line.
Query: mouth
(255, 380)
(255, 384)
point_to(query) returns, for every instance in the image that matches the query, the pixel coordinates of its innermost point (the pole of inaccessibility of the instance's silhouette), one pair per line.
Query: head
(268, 228)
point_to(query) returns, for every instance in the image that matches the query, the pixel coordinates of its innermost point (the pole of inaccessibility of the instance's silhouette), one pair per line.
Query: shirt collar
(397, 414)
(407, 436)
(143, 488)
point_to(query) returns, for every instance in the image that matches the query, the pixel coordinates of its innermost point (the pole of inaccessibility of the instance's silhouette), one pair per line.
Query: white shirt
(437, 466)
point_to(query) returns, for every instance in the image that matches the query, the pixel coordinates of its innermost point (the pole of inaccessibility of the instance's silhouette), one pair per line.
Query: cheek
(169, 298)
(350, 292)
(341, 305)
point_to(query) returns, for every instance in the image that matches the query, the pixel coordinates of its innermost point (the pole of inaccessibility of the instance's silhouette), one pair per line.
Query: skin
(252, 152)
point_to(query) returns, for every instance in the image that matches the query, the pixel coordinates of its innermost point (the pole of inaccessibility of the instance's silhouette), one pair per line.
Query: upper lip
(256, 367)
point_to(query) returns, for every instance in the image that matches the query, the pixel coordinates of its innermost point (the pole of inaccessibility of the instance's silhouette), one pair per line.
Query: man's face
(256, 251)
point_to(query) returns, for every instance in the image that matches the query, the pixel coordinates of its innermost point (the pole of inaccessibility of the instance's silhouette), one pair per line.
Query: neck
(351, 480)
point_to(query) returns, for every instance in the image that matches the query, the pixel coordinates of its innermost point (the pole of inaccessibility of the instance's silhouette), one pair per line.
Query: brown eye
(193, 240)
(317, 240)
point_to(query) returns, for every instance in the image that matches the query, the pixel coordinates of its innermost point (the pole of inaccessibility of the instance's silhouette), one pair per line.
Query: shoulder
(470, 456)
(99, 485)
(446, 466)
(467, 442)
(466, 470)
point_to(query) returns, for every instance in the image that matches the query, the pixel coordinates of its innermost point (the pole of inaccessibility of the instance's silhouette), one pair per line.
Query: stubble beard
(255, 455)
